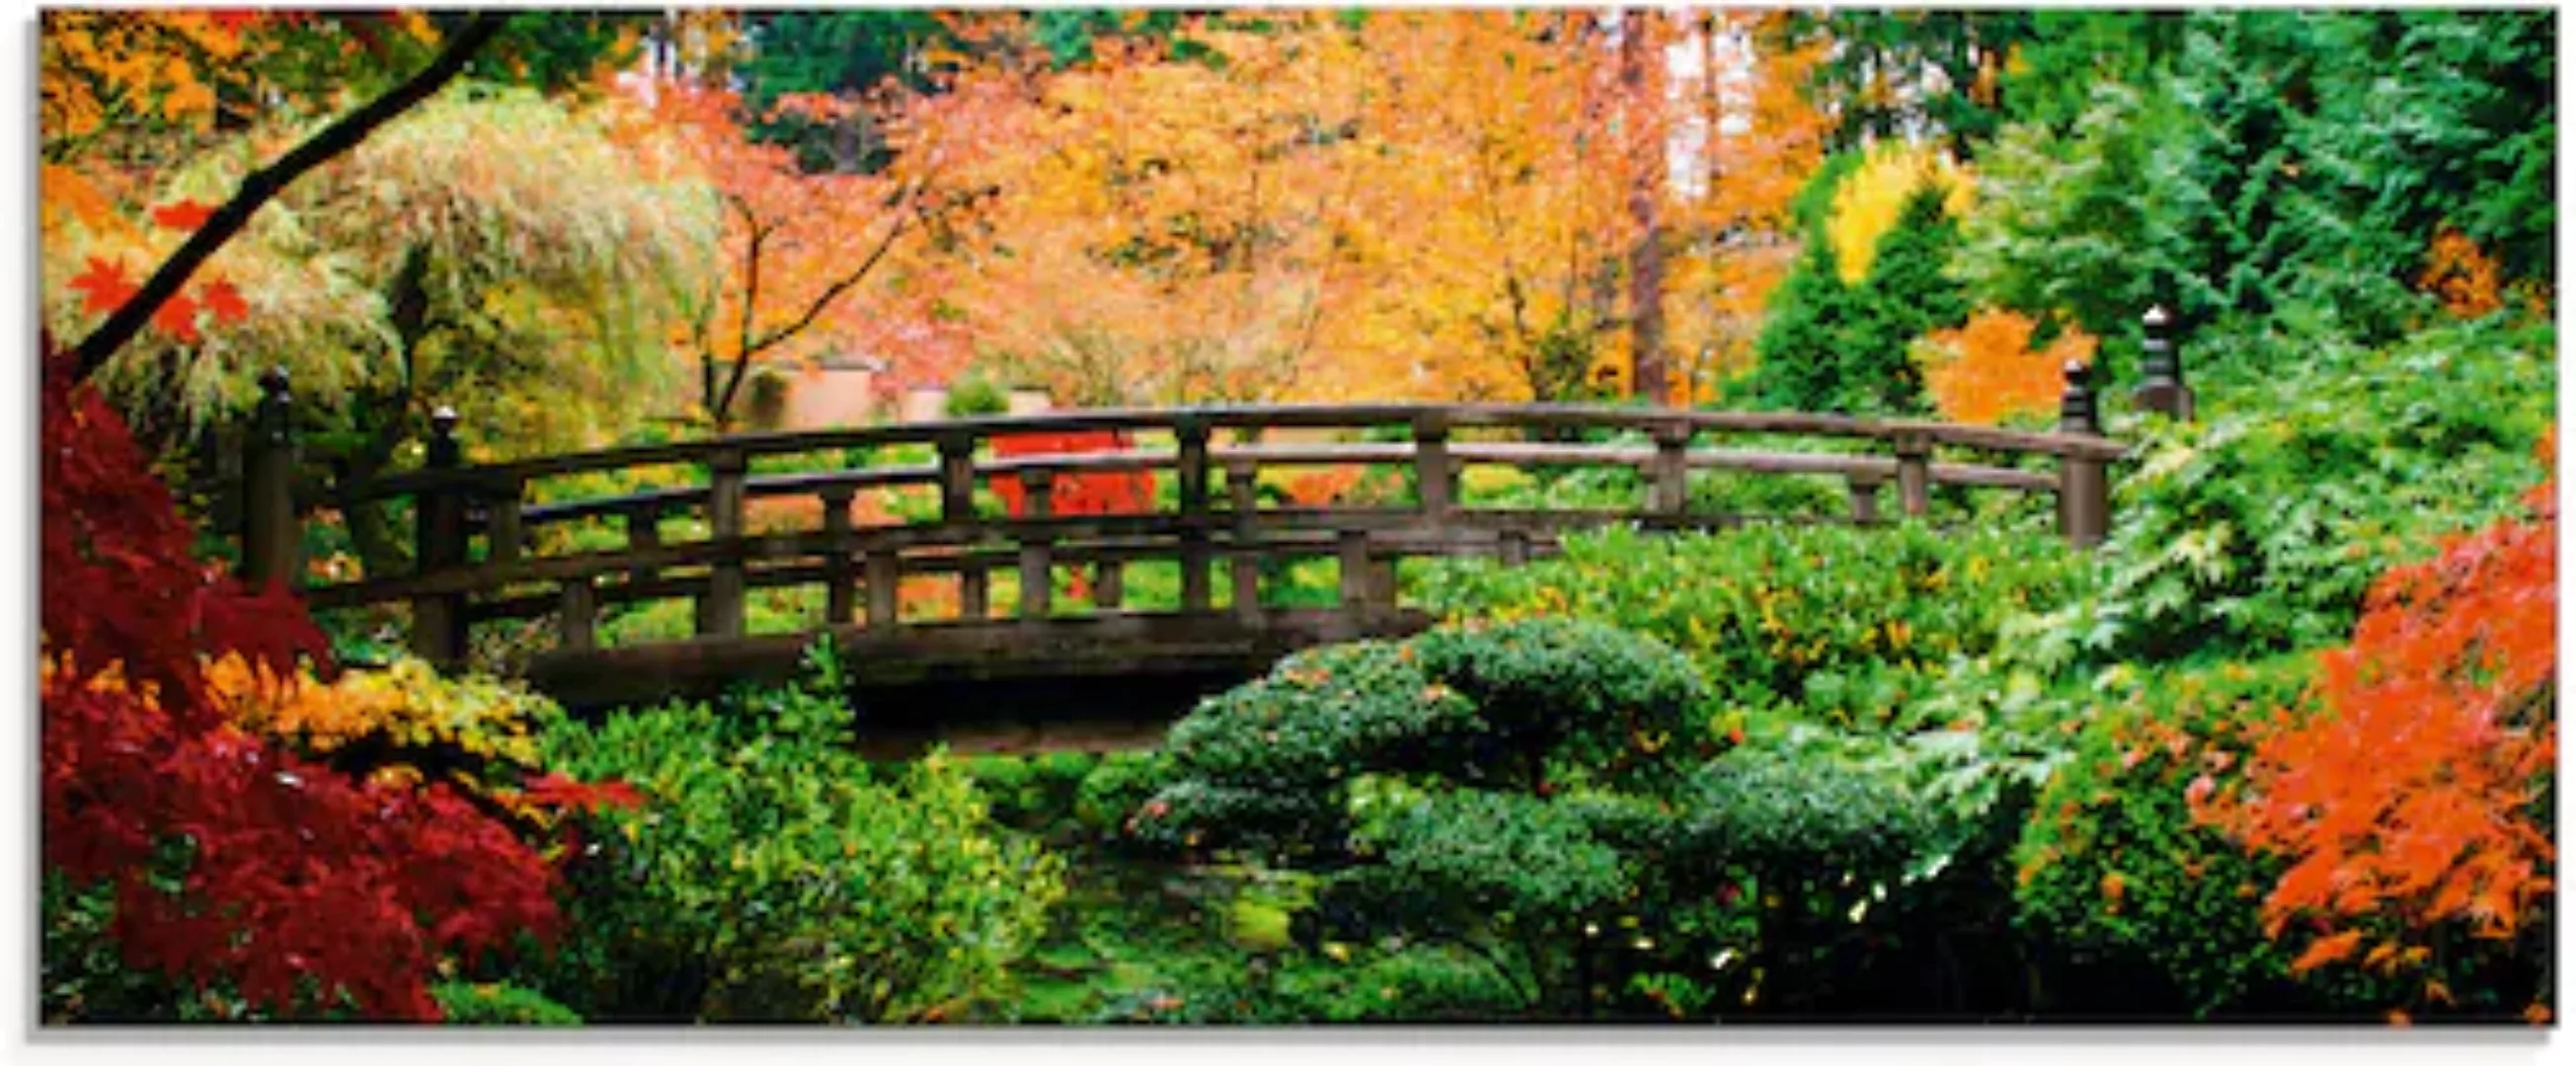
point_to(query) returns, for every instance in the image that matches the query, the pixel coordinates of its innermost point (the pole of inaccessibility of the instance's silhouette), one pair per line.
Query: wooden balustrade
(861, 567)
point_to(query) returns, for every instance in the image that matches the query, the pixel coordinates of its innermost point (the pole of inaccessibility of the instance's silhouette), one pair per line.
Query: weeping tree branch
(264, 184)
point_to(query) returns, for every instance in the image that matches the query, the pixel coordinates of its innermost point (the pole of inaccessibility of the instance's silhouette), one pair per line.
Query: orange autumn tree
(1986, 370)
(1745, 139)
(2414, 811)
(799, 249)
(1150, 224)
(1492, 211)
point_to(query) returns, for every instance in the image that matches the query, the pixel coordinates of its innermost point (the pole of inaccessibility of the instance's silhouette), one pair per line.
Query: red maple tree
(302, 886)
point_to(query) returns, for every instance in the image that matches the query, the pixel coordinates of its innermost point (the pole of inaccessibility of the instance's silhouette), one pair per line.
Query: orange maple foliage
(804, 254)
(2469, 283)
(1148, 229)
(2412, 804)
(1432, 205)
(1985, 370)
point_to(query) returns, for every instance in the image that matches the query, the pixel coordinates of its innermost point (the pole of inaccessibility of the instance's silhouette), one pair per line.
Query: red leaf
(106, 284)
(178, 318)
(187, 214)
(225, 301)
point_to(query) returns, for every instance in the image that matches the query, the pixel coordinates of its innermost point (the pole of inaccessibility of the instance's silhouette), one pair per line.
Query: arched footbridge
(765, 511)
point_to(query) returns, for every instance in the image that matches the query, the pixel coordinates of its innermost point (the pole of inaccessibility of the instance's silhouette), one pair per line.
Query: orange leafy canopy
(1987, 371)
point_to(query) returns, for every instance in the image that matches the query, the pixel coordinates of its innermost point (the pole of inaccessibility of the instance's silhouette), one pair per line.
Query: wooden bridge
(485, 552)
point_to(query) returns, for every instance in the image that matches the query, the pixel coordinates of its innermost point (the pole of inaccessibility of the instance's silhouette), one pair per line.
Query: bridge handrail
(1862, 467)
(1438, 417)
(449, 588)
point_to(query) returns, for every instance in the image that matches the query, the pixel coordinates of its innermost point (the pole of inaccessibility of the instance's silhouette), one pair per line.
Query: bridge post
(1109, 585)
(1242, 493)
(1864, 499)
(1037, 564)
(438, 625)
(1435, 474)
(720, 613)
(2083, 485)
(643, 531)
(272, 541)
(1914, 475)
(974, 588)
(840, 590)
(501, 505)
(580, 614)
(1515, 548)
(885, 580)
(1357, 580)
(1191, 433)
(1671, 489)
(2162, 387)
(956, 478)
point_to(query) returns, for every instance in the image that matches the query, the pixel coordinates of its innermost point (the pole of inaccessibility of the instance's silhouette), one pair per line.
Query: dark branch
(264, 185)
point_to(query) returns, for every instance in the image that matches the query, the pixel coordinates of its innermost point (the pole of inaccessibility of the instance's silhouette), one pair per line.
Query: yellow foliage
(407, 706)
(1869, 200)
(1985, 371)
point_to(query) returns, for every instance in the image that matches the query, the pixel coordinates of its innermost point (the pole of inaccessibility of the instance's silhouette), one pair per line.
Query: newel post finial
(2161, 386)
(271, 540)
(444, 450)
(2076, 410)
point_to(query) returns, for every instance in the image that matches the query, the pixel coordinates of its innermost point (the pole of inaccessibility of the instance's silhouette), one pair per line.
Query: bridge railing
(475, 560)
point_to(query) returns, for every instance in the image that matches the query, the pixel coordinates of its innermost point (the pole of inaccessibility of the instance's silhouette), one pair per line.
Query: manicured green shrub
(2116, 879)
(1450, 788)
(1116, 787)
(1320, 715)
(1765, 610)
(767, 877)
(1571, 697)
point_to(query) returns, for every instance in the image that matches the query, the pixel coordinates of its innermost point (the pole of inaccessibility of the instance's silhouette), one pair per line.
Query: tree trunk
(1643, 89)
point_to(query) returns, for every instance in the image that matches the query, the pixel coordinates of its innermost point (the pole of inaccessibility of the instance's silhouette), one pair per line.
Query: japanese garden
(1272, 517)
